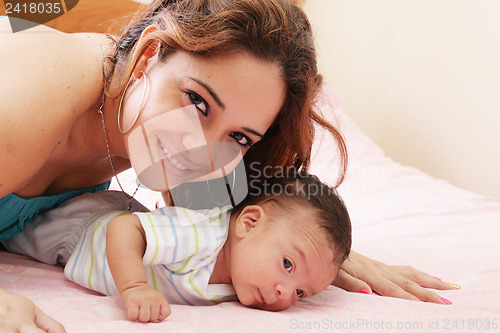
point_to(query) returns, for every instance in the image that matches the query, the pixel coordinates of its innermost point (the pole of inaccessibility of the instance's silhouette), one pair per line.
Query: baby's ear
(249, 218)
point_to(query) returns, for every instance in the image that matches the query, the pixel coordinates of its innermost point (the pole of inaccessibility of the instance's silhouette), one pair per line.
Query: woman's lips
(172, 164)
(171, 158)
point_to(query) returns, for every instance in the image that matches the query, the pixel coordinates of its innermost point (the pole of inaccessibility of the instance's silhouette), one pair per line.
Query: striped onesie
(182, 247)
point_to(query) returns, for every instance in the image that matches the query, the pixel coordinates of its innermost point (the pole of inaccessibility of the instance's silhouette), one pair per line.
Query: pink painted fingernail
(437, 278)
(364, 291)
(445, 301)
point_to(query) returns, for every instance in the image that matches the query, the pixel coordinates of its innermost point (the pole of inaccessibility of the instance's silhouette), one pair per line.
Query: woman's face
(199, 115)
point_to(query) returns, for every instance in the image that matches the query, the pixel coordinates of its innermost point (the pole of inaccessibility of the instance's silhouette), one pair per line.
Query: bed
(399, 215)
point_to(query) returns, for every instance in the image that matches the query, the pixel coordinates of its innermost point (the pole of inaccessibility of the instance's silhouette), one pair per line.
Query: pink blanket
(400, 216)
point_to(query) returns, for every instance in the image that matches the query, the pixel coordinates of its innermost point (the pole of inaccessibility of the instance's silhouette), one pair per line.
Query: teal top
(15, 211)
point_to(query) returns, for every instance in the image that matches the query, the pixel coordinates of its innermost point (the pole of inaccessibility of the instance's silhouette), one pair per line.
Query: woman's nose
(195, 147)
(211, 145)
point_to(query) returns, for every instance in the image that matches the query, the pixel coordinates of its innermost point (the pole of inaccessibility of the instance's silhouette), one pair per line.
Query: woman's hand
(361, 274)
(19, 314)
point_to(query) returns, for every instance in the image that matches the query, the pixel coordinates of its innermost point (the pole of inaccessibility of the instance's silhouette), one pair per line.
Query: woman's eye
(198, 102)
(287, 264)
(242, 139)
(300, 292)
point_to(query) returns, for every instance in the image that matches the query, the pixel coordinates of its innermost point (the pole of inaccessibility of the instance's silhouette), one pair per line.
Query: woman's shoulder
(48, 79)
(42, 52)
(48, 72)
(57, 56)
(42, 61)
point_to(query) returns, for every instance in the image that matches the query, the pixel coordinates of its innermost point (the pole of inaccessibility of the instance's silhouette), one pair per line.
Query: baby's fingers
(159, 307)
(153, 312)
(159, 312)
(133, 312)
(165, 311)
(144, 314)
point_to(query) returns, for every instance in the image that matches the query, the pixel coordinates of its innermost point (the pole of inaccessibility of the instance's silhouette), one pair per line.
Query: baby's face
(280, 261)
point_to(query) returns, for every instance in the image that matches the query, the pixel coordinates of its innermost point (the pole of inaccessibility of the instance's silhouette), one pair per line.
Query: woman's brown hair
(277, 31)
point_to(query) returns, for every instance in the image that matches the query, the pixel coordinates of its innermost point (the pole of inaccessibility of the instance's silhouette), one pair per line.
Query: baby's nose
(283, 292)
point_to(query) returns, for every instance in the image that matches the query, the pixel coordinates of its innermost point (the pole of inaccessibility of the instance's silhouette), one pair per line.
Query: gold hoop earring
(140, 108)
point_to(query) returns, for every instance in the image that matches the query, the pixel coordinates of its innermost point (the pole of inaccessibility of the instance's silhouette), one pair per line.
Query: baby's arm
(125, 247)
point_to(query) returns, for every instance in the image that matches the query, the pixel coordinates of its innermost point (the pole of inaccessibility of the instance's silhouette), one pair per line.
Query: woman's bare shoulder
(43, 61)
(48, 79)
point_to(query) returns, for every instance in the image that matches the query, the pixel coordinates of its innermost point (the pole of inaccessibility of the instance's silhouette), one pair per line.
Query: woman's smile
(168, 155)
(174, 164)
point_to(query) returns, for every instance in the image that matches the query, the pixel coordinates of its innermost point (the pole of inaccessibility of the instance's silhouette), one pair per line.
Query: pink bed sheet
(400, 216)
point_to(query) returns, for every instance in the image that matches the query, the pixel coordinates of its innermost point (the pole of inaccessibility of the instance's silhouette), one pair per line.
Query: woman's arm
(361, 274)
(125, 247)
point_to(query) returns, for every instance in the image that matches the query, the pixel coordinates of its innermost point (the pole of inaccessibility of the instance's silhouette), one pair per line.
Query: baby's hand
(145, 304)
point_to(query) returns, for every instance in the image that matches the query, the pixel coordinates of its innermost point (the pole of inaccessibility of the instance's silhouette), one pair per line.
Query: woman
(247, 69)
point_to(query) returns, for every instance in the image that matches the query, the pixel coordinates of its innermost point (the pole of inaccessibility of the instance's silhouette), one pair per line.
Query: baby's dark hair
(301, 191)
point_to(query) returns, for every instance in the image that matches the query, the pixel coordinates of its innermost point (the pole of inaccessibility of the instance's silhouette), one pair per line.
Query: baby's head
(288, 239)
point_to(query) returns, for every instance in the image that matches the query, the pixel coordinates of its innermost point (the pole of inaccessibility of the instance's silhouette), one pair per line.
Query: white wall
(421, 78)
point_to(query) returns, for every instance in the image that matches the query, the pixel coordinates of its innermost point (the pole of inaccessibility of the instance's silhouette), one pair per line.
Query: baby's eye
(300, 292)
(198, 102)
(242, 139)
(287, 264)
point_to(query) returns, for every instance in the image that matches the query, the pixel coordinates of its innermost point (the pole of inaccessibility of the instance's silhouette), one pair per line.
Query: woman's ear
(148, 54)
(250, 218)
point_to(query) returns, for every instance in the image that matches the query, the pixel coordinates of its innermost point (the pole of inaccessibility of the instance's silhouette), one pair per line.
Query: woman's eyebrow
(210, 91)
(249, 130)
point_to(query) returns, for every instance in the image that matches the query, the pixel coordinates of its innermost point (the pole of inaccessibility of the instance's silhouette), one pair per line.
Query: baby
(274, 248)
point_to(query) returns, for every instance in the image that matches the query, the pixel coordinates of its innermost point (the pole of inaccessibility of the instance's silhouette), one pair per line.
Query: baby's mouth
(262, 299)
